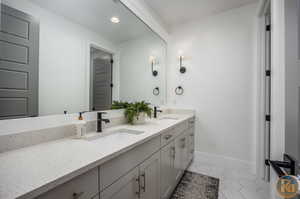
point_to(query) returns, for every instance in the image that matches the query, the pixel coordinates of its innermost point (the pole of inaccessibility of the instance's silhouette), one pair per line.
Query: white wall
(220, 80)
(136, 79)
(63, 60)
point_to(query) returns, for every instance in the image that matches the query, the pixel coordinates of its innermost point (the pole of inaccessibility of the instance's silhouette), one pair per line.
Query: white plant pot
(141, 119)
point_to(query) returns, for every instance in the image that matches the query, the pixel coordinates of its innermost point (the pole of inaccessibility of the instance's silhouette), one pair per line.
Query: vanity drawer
(181, 127)
(114, 169)
(81, 187)
(167, 136)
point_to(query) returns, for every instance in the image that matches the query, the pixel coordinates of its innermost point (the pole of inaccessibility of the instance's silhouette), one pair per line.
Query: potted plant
(119, 105)
(135, 113)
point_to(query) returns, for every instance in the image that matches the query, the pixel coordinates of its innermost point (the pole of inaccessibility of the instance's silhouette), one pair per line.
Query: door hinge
(111, 85)
(268, 27)
(111, 61)
(268, 118)
(268, 73)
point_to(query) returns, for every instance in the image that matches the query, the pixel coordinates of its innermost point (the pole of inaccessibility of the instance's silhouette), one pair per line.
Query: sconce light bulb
(152, 59)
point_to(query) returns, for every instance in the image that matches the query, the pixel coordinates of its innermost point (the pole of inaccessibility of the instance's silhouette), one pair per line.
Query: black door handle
(278, 166)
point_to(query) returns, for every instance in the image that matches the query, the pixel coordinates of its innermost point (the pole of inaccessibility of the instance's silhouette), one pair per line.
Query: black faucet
(100, 120)
(156, 111)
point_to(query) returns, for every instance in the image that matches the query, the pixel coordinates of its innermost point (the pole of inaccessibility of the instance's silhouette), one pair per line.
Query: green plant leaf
(133, 110)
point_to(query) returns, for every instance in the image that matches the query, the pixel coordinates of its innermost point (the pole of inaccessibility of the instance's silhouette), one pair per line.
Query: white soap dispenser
(80, 126)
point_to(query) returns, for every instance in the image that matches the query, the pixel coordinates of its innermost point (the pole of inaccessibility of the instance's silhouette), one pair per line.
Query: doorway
(101, 78)
(265, 91)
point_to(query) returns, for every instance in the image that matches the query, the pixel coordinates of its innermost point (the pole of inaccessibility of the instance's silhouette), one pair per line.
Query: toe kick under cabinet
(151, 170)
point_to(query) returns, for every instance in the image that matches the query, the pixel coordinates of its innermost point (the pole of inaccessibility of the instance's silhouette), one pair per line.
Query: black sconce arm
(154, 72)
(182, 68)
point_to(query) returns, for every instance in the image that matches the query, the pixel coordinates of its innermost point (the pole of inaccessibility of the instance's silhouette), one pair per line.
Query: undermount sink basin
(116, 134)
(169, 118)
(128, 131)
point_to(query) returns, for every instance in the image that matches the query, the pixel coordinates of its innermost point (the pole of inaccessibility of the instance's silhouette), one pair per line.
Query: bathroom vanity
(115, 164)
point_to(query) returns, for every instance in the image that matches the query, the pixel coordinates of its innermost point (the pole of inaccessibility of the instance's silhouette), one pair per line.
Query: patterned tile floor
(234, 183)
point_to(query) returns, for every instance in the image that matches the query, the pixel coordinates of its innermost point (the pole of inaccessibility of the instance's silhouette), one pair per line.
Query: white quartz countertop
(31, 171)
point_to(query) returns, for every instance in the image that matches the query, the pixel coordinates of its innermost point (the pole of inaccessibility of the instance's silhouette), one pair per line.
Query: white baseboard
(225, 161)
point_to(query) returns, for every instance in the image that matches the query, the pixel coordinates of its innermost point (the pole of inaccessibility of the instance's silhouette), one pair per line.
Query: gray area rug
(196, 186)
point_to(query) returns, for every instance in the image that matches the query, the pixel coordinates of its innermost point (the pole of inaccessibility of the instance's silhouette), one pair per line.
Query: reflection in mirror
(68, 56)
(101, 79)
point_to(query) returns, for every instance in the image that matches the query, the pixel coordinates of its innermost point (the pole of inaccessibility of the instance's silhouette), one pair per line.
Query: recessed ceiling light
(115, 20)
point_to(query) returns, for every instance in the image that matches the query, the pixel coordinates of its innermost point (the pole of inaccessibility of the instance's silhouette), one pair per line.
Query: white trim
(260, 119)
(278, 86)
(227, 162)
(278, 80)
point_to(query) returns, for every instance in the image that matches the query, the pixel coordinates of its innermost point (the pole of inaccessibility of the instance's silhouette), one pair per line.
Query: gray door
(102, 84)
(19, 42)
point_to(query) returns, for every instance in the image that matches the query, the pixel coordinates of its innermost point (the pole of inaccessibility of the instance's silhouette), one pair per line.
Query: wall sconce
(153, 62)
(182, 69)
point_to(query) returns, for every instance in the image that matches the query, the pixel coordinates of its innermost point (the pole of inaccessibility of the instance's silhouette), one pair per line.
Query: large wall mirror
(65, 56)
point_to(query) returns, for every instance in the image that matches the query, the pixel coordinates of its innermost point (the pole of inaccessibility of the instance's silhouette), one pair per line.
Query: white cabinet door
(114, 169)
(126, 187)
(150, 178)
(167, 170)
(178, 164)
(185, 150)
(181, 159)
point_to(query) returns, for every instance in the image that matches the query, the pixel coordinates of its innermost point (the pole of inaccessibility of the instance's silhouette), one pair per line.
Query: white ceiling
(176, 12)
(96, 14)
